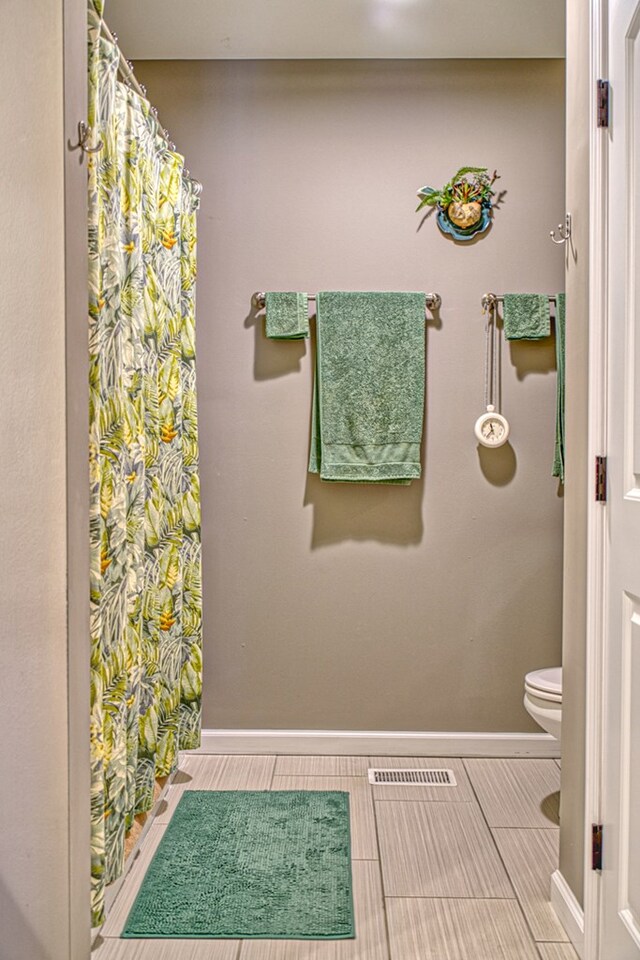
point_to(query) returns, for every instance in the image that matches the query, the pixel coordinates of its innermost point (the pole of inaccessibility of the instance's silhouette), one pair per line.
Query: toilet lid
(548, 680)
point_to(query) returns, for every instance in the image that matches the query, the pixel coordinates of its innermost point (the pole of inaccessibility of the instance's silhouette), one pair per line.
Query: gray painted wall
(336, 606)
(578, 470)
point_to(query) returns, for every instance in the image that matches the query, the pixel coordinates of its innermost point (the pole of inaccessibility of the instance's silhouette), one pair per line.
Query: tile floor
(456, 873)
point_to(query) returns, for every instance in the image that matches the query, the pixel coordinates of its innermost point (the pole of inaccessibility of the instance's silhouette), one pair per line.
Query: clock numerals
(493, 430)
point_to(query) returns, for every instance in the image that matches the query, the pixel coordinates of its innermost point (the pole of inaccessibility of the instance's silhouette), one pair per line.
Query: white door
(620, 918)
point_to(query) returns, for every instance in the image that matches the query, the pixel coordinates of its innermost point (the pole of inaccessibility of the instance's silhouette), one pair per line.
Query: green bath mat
(248, 864)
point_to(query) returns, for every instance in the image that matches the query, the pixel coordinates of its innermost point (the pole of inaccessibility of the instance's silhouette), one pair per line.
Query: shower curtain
(146, 651)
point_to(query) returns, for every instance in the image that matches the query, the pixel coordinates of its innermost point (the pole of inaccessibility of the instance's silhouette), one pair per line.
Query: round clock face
(492, 430)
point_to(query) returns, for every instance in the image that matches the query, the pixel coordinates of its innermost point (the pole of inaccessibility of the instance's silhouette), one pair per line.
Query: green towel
(558, 460)
(368, 405)
(287, 316)
(526, 316)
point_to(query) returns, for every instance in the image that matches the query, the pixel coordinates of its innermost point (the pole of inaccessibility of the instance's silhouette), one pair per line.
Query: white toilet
(543, 698)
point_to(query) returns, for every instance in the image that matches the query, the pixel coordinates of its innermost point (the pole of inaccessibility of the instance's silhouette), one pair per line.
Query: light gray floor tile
(115, 949)
(208, 772)
(322, 766)
(517, 793)
(557, 951)
(462, 790)
(530, 857)
(438, 850)
(127, 894)
(458, 930)
(364, 844)
(371, 939)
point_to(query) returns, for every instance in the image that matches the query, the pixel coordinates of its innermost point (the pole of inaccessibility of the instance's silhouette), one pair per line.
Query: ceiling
(335, 29)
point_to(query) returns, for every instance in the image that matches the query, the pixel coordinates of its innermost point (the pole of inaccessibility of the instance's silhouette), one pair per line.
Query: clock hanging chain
(491, 428)
(490, 364)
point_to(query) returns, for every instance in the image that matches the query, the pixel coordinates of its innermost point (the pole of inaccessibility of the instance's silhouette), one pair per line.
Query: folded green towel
(287, 316)
(558, 460)
(368, 404)
(526, 316)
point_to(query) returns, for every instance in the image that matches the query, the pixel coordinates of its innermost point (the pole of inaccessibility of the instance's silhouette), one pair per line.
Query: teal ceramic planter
(458, 233)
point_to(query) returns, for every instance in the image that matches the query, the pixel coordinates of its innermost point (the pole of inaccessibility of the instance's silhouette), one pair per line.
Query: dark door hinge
(603, 103)
(601, 479)
(596, 846)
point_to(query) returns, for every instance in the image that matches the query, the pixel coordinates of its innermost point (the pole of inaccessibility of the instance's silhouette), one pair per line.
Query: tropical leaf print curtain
(145, 503)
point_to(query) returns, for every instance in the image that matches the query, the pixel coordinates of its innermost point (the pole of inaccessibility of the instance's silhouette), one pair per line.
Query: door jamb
(77, 468)
(597, 541)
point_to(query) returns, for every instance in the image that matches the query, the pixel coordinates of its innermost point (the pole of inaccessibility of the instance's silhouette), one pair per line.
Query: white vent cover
(433, 777)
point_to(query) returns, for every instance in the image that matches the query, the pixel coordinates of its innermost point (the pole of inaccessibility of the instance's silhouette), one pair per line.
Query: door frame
(76, 373)
(75, 63)
(597, 542)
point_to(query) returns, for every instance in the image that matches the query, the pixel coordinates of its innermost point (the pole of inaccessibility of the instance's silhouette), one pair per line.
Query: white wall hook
(564, 236)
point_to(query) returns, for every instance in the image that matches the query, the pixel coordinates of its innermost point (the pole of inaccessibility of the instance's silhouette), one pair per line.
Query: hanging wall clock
(491, 427)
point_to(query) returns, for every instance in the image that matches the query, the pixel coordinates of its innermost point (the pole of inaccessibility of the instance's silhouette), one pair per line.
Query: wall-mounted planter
(463, 204)
(464, 224)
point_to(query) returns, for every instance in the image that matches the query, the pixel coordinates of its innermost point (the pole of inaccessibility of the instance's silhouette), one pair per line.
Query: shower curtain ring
(84, 132)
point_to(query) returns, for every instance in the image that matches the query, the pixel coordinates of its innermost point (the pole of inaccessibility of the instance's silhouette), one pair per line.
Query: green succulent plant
(469, 184)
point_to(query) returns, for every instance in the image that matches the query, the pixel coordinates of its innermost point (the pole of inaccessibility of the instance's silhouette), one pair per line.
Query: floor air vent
(435, 777)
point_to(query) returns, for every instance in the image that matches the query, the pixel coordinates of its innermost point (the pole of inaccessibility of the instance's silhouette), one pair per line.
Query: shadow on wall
(364, 511)
(498, 466)
(533, 356)
(269, 364)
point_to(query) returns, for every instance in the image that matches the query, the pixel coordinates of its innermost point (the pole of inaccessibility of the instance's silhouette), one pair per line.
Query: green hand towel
(526, 316)
(369, 387)
(558, 460)
(287, 316)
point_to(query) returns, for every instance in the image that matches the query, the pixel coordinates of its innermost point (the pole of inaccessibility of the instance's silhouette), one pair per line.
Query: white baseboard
(377, 743)
(569, 911)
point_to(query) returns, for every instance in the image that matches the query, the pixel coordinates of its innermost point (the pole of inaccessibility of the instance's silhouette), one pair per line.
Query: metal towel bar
(434, 300)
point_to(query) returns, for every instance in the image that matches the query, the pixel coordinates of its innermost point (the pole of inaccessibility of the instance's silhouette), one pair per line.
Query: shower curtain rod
(126, 70)
(434, 300)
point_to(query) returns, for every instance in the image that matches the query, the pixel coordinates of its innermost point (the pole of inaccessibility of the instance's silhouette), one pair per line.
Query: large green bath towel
(368, 406)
